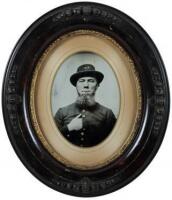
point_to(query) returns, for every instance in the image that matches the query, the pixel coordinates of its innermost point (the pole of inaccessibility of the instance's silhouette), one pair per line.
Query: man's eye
(81, 80)
(91, 80)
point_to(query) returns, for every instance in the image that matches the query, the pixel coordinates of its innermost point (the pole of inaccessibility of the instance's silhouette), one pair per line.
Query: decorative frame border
(15, 98)
(33, 87)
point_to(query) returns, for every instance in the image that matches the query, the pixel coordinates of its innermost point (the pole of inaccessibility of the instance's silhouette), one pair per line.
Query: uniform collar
(81, 107)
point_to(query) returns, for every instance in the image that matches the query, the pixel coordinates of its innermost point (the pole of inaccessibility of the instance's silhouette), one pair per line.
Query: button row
(82, 139)
(82, 133)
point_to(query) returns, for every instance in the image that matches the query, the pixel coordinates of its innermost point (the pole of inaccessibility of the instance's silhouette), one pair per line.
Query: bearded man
(85, 122)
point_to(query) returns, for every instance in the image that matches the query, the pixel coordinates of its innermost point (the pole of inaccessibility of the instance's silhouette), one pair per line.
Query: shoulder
(105, 110)
(68, 107)
(64, 110)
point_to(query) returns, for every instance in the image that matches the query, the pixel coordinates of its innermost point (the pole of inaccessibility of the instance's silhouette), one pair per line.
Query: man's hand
(75, 124)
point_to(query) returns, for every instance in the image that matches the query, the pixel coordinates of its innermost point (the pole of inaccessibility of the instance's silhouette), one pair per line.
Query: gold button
(83, 110)
(82, 139)
(82, 133)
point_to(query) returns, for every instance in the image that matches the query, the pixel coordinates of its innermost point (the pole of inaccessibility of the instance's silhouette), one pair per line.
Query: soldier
(85, 122)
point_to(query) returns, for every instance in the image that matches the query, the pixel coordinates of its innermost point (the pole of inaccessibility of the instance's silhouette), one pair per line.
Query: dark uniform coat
(98, 122)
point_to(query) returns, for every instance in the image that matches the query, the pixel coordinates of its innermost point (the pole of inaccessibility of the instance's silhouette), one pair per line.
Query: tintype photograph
(85, 99)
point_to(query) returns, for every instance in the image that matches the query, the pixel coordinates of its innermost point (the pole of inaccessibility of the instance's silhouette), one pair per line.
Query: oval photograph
(85, 99)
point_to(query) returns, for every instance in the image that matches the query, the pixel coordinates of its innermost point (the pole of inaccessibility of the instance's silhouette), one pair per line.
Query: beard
(85, 100)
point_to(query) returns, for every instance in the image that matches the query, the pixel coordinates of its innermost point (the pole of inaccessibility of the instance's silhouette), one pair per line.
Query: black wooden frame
(155, 95)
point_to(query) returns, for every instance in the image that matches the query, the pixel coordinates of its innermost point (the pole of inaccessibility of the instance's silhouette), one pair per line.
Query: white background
(15, 180)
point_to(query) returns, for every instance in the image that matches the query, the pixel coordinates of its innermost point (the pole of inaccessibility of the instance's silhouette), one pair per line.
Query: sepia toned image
(85, 99)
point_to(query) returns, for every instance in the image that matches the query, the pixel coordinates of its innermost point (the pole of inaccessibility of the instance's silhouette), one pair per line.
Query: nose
(86, 84)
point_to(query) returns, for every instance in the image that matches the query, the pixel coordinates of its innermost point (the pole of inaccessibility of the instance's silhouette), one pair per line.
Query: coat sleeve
(110, 120)
(59, 119)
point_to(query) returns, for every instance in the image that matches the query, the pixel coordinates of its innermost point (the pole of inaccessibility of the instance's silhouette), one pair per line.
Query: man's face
(86, 86)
